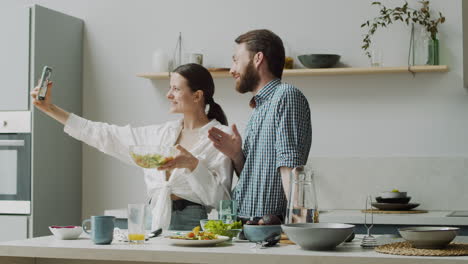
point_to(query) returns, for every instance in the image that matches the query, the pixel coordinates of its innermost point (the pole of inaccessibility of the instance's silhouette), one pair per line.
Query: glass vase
(433, 52)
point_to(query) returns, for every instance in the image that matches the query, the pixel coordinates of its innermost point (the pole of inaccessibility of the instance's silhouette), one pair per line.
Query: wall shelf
(323, 72)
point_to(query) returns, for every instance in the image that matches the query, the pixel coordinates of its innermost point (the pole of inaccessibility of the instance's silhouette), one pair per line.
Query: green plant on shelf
(404, 14)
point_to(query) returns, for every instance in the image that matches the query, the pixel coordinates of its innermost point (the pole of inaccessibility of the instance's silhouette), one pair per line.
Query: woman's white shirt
(209, 183)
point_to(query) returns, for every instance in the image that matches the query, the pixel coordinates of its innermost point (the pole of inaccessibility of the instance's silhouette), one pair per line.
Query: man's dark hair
(267, 42)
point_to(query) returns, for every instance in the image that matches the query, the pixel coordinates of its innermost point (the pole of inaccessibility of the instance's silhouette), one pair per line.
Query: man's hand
(229, 145)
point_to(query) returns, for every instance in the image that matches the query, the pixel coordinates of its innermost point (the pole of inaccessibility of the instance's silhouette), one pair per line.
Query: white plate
(183, 242)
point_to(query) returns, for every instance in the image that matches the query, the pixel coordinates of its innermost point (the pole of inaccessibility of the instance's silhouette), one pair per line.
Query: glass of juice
(136, 223)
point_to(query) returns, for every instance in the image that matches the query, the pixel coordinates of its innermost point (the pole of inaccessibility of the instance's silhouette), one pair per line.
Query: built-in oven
(15, 162)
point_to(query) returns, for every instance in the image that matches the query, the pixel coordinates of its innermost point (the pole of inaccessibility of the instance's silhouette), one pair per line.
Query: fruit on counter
(271, 220)
(395, 190)
(150, 160)
(265, 220)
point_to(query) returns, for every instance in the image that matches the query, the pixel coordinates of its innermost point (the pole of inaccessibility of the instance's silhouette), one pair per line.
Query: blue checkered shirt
(279, 133)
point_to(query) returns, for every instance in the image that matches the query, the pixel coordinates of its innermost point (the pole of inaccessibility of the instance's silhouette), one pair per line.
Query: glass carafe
(302, 199)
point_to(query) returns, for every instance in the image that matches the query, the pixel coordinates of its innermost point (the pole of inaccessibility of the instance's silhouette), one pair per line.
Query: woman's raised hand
(184, 159)
(45, 104)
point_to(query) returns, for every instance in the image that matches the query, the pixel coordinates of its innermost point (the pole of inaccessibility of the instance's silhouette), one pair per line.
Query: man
(278, 135)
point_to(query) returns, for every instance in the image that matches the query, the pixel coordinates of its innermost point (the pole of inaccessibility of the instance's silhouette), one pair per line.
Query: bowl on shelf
(319, 60)
(318, 236)
(148, 156)
(392, 194)
(66, 232)
(402, 200)
(258, 233)
(429, 237)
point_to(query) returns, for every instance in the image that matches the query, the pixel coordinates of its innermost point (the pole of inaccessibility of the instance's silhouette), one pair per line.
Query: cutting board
(375, 211)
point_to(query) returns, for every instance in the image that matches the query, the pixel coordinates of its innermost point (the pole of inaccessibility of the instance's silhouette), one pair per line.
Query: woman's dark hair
(199, 78)
(267, 42)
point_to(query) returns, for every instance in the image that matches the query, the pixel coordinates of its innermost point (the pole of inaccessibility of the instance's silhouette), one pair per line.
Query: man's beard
(249, 81)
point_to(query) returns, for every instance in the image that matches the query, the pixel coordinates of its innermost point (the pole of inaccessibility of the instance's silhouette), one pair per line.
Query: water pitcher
(302, 199)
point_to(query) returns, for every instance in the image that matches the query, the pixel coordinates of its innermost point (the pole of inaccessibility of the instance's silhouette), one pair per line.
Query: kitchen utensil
(318, 236)
(102, 228)
(319, 60)
(429, 236)
(66, 232)
(392, 194)
(302, 203)
(369, 241)
(395, 206)
(402, 200)
(259, 233)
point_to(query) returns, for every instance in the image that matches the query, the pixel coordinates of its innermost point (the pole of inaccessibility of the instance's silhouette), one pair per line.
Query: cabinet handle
(11, 143)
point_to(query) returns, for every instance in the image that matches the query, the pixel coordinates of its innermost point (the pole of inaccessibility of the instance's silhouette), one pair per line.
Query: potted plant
(406, 15)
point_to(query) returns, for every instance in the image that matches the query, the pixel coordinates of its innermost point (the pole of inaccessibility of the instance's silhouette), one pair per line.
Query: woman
(182, 190)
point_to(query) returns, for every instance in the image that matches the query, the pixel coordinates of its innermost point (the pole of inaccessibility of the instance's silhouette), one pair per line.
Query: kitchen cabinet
(13, 227)
(41, 36)
(325, 72)
(14, 54)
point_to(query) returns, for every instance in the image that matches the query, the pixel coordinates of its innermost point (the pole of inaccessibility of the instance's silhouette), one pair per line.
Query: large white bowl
(66, 232)
(318, 236)
(429, 236)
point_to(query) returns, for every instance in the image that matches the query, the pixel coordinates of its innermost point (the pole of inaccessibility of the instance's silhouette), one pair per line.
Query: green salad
(220, 228)
(150, 160)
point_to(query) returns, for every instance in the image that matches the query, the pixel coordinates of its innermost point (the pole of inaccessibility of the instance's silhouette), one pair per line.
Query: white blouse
(209, 183)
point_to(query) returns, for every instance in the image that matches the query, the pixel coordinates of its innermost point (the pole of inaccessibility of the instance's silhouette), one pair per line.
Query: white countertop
(159, 250)
(357, 217)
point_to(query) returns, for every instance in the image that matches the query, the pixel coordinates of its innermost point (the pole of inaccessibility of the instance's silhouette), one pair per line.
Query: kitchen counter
(357, 217)
(51, 250)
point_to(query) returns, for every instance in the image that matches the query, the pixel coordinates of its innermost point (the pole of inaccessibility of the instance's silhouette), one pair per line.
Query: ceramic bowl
(147, 156)
(66, 232)
(318, 236)
(403, 200)
(429, 236)
(258, 233)
(392, 195)
(319, 60)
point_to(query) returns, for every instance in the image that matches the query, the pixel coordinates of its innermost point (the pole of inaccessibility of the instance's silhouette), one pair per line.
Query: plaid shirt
(279, 133)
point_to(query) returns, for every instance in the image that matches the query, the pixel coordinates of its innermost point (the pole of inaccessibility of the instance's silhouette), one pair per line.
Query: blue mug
(102, 229)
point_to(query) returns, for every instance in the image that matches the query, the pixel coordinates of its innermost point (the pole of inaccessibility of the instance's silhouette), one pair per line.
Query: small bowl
(318, 236)
(66, 232)
(403, 200)
(258, 233)
(149, 157)
(386, 195)
(319, 60)
(429, 237)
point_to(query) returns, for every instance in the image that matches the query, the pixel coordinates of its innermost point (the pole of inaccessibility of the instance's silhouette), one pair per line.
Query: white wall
(370, 133)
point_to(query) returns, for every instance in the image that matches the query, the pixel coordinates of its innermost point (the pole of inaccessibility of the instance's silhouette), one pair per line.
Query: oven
(15, 162)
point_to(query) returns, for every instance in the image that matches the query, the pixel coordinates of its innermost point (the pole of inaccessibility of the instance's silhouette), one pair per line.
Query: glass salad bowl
(149, 157)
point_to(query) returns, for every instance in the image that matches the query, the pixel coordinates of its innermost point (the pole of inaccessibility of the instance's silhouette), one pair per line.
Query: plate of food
(197, 238)
(150, 157)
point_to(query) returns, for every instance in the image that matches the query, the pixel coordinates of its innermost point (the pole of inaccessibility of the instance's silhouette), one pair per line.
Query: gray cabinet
(14, 54)
(31, 38)
(13, 227)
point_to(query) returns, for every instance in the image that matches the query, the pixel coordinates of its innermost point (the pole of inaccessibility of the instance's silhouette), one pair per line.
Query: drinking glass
(376, 59)
(136, 223)
(228, 211)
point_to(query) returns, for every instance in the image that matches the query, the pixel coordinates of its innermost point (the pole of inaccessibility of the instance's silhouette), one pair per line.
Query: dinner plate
(395, 206)
(186, 242)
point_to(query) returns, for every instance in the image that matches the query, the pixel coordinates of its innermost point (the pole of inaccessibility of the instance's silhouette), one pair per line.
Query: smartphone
(46, 72)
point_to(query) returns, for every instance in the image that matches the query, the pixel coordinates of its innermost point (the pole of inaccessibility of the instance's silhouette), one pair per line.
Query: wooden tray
(394, 212)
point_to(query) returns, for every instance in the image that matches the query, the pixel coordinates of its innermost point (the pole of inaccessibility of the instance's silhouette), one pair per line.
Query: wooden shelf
(323, 72)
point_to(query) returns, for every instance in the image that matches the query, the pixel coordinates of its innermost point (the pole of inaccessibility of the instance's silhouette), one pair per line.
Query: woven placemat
(405, 248)
(394, 212)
